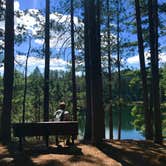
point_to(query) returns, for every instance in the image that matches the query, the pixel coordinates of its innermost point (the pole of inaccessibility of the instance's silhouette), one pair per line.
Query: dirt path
(116, 153)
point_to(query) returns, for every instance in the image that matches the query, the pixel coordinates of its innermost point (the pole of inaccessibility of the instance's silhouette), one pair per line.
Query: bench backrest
(45, 128)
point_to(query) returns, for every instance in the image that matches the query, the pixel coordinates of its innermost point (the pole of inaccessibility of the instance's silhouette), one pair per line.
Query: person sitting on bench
(62, 115)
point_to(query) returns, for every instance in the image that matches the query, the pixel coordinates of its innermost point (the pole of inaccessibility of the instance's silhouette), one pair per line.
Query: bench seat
(45, 129)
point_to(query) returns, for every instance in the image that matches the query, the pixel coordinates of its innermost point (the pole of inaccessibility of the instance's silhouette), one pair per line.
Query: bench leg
(20, 143)
(47, 140)
(72, 138)
(57, 140)
(68, 140)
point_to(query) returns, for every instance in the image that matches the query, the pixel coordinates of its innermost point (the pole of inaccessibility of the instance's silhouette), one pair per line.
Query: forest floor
(109, 153)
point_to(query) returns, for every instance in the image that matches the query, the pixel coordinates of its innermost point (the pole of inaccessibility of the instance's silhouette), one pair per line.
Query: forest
(105, 59)
(61, 90)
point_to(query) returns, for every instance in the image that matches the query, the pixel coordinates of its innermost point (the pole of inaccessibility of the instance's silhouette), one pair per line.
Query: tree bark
(88, 128)
(74, 88)
(99, 122)
(47, 63)
(119, 74)
(25, 81)
(93, 60)
(153, 37)
(8, 73)
(109, 70)
(147, 113)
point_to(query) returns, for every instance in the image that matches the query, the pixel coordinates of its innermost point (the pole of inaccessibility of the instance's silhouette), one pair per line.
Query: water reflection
(128, 131)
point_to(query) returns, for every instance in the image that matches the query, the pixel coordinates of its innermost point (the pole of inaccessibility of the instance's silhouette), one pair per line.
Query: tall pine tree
(8, 73)
(109, 69)
(74, 89)
(93, 70)
(153, 38)
(47, 63)
(147, 113)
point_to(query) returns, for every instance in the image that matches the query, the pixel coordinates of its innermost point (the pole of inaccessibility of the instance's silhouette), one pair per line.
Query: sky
(30, 22)
(31, 4)
(55, 63)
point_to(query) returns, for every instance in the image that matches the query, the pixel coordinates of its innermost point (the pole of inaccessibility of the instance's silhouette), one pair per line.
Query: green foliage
(163, 110)
(61, 89)
(137, 113)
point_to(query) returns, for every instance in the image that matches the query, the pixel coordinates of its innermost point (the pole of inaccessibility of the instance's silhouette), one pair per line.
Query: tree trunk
(153, 33)
(25, 82)
(109, 70)
(147, 113)
(47, 63)
(74, 89)
(99, 123)
(8, 73)
(88, 128)
(92, 47)
(119, 74)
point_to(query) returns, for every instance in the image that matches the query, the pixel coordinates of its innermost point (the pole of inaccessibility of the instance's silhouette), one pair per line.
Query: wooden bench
(68, 128)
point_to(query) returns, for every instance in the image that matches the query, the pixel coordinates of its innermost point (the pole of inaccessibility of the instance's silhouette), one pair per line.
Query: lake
(128, 131)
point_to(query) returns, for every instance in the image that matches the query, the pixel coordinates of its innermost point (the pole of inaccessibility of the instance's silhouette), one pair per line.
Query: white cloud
(2, 25)
(162, 57)
(29, 21)
(39, 41)
(32, 21)
(60, 18)
(57, 41)
(33, 62)
(1, 43)
(57, 38)
(16, 5)
(134, 60)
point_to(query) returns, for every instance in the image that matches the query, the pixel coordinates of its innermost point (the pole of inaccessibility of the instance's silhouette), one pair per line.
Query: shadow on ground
(135, 153)
(11, 156)
(108, 153)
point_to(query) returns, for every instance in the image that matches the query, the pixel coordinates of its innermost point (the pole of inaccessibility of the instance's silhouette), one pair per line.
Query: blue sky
(40, 4)
(30, 4)
(29, 21)
(36, 4)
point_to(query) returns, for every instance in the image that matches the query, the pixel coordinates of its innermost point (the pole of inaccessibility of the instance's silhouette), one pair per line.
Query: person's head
(62, 105)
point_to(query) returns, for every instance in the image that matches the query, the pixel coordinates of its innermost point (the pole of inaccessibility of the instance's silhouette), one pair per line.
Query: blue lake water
(125, 134)
(128, 131)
